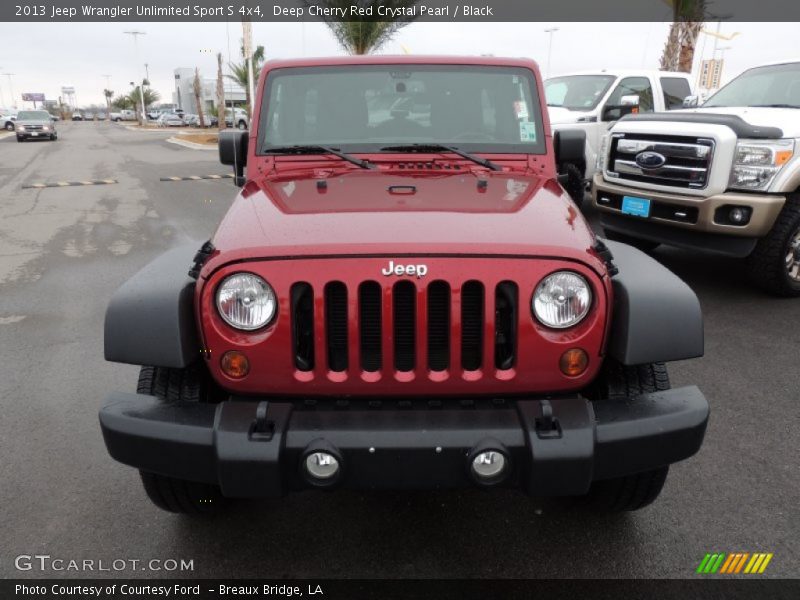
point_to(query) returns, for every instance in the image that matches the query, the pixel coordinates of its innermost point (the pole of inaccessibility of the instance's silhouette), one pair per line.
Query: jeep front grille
(409, 321)
(687, 164)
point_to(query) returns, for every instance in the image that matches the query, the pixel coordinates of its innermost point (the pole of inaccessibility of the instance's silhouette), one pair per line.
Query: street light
(136, 35)
(550, 31)
(2, 98)
(11, 89)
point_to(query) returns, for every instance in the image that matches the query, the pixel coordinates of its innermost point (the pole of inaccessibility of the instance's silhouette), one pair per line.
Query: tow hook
(262, 429)
(547, 426)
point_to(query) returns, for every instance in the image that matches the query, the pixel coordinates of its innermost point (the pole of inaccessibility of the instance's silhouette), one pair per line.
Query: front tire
(191, 384)
(9, 126)
(631, 492)
(575, 187)
(774, 265)
(241, 125)
(20, 138)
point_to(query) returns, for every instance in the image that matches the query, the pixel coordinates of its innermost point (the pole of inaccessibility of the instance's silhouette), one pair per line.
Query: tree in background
(238, 71)
(197, 87)
(220, 94)
(687, 21)
(150, 96)
(122, 102)
(108, 94)
(363, 36)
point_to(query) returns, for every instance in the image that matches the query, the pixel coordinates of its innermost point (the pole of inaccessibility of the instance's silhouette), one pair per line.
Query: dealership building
(183, 95)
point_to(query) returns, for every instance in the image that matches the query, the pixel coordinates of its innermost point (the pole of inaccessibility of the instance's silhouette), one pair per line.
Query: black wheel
(191, 384)
(53, 138)
(575, 187)
(242, 125)
(775, 263)
(20, 138)
(643, 245)
(632, 492)
(9, 126)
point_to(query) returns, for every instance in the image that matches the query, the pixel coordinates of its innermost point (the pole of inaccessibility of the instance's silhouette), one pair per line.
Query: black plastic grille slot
(472, 325)
(302, 317)
(505, 324)
(369, 326)
(404, 306)
(336, 325)
(438, 326)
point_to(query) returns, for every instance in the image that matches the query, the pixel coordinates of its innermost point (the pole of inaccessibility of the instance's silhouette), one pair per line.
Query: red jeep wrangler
(402, 296)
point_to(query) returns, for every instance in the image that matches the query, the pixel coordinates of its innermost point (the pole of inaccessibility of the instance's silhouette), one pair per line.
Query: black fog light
(739, 215)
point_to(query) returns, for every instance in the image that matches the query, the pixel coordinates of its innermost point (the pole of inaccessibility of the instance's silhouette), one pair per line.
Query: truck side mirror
(627, 105)
(233, 151)
(631, 100)
(691, 101)
(569, 146)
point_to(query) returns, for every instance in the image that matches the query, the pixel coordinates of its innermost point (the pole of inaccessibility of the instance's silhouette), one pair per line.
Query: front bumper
(689, 221)
(33, 135)
(256, 449)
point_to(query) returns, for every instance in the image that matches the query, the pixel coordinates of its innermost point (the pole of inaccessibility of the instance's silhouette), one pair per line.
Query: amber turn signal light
(235, 364)
(574, 362)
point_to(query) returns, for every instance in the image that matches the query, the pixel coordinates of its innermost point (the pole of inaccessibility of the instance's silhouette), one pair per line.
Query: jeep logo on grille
(650, 160)
(392, 269)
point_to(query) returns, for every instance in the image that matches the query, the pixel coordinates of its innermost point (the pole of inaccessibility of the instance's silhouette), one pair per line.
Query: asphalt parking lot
(63, 251)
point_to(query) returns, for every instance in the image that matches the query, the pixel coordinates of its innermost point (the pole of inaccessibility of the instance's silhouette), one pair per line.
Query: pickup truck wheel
(632, 492)
(643, 245)
(9, 126)
(241, 125)
(191, 384)
(775, 263)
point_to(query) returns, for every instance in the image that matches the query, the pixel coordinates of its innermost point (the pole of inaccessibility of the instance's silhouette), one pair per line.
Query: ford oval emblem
(650, 160)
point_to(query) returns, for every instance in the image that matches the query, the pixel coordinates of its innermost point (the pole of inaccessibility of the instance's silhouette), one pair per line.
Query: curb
(190, 145)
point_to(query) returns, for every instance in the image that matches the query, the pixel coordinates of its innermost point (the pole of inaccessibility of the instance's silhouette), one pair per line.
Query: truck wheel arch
(150, 318)
(657, 317)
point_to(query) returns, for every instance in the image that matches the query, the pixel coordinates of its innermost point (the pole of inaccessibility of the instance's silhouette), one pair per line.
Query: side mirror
(569, 146)
(632, 100)
(691, 101)
(233, 151)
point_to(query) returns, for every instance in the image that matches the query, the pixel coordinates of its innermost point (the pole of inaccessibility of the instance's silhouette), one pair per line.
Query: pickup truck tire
(9, 126)
(632, 492)
(643, 245)
(191, 384)
(20, 139)
(241, 125)
(774, 265)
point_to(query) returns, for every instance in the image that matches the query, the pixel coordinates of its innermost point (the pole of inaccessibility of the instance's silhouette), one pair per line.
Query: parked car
(169, 120)
(7, 121)
(89, 116)
(191, 119)
(35, 124)
(101, 116)
(237, 118)
(723, 178)
(592, 100)
(428, 311)
(123, 115)
(76, 116)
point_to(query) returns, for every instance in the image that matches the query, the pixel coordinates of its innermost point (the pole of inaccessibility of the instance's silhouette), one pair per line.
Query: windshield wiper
(774, 105)
(300, 149)
(484, 162)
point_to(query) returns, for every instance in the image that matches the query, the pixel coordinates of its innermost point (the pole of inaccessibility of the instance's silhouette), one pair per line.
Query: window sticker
(527, 132)
(521, 109)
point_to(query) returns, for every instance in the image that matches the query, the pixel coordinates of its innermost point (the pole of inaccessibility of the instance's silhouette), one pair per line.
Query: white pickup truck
(722, 178)
(593, 100)
(123, 115)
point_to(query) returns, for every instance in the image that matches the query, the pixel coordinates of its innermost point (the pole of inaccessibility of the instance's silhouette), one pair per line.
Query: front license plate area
(637, 207)
(34, 134)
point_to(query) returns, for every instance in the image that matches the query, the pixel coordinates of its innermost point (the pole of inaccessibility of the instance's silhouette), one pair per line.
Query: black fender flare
(150, 318)
(657, 316)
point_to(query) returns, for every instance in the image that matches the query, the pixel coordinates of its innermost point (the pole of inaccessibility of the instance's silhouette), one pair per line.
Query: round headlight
(245, 301)
(562, 300)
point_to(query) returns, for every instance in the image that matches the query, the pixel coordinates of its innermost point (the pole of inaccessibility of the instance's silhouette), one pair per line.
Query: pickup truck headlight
(245, 301)
(755, 162)
(20, 127)
(561, 300)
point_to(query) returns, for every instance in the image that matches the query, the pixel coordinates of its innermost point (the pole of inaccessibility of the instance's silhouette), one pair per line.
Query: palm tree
(122, 102)
(363, 36)
(687, 21)
(150, 96)
(109, 94)
(197, 88)
(220, 94)
(239, 73)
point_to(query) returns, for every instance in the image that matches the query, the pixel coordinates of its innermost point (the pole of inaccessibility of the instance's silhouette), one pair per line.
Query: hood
(560, 115)
(785, 119)
(378, 213)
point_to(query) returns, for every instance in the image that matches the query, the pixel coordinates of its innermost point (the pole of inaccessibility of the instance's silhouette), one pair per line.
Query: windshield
(367, 108)
(577, 92)
(33, 115)
(776, 85)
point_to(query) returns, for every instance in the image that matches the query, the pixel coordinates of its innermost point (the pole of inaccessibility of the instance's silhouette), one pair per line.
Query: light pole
(11, 89)
(2, 98)
(550, 31)
(136, 35)
(108, 100)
